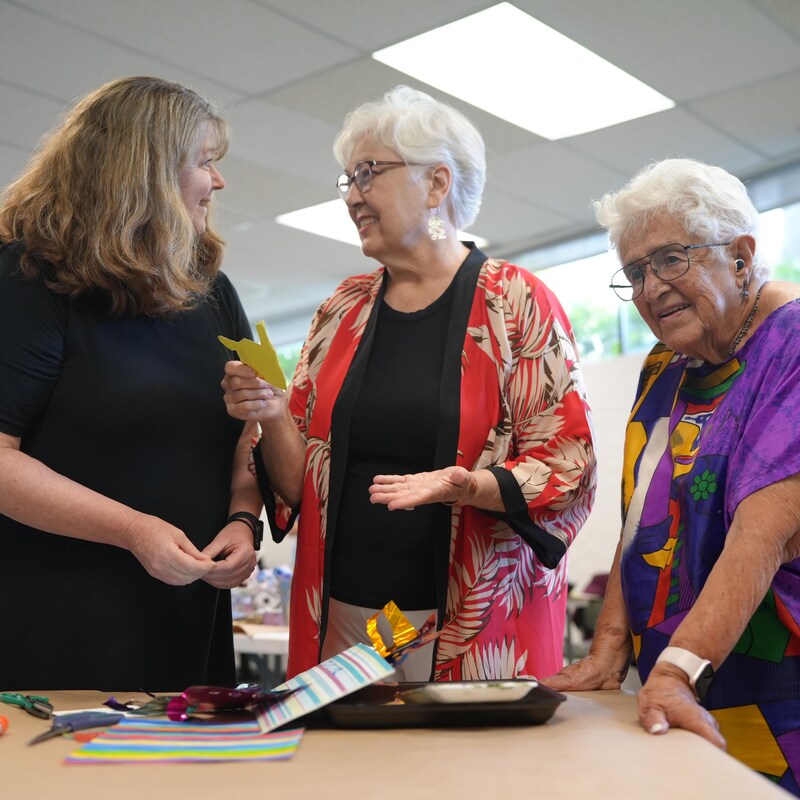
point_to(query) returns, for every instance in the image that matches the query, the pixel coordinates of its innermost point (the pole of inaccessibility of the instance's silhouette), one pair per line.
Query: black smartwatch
(253, 522)
(698, 670)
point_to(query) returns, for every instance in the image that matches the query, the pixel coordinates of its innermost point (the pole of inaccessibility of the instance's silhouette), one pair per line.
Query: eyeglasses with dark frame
(667, 263)
(363, 174)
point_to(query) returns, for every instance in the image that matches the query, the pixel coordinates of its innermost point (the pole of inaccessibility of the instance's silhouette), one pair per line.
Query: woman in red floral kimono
(446, 384)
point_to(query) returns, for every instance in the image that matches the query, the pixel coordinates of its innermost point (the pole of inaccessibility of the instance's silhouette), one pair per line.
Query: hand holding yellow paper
(260, 356)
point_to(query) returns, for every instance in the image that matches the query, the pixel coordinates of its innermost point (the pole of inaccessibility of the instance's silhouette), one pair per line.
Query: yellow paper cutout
(261, 357)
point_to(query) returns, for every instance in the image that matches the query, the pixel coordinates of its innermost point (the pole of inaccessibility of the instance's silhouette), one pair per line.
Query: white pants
(347, 625)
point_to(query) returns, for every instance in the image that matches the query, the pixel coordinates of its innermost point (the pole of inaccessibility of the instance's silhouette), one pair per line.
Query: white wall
(610, 386)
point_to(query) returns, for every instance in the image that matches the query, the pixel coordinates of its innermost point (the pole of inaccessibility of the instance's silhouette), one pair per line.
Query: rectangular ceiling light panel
(509, 64)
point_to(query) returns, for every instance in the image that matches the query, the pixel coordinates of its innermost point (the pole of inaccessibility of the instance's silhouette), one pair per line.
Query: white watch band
(696, 668)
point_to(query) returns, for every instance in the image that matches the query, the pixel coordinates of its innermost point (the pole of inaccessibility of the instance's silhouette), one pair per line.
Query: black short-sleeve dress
(133, 409)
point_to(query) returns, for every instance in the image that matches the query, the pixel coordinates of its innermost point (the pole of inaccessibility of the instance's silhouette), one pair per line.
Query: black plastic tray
(373, 707)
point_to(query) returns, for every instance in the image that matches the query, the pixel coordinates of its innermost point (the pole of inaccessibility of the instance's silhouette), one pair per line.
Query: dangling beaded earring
(744, 294)
(436, 227)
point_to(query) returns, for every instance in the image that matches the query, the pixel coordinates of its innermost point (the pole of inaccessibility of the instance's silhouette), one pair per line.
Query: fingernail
(656, 728)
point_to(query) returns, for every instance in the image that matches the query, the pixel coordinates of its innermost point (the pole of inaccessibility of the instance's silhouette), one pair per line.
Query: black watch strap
(254, 523)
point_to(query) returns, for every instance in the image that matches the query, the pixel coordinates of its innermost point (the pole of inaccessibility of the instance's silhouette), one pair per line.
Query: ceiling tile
(33, 116)
(685, 49)
(77, 62)
(510, 223)
(553, 177)
(12, 160)
(786, 13)
(260, 192)
(278, 255)
(331, 96)
(763, 115)
(257, 52)
(670, 134)
(368, 25)
(285, 142)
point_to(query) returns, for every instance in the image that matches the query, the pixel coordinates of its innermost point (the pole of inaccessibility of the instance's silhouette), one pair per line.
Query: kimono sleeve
(548, 479)
(280, 515)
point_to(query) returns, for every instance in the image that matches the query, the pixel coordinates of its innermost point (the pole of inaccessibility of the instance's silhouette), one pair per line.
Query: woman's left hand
(234, 557)
(667, 701)
(447, 485)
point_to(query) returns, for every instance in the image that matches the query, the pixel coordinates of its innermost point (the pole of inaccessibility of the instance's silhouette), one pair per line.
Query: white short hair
(422, 130)
(707, 201)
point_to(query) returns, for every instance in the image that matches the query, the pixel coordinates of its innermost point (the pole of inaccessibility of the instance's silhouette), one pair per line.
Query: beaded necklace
(747, 323)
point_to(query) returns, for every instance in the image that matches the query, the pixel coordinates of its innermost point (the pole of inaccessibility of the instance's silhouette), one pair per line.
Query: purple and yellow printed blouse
(702, 437)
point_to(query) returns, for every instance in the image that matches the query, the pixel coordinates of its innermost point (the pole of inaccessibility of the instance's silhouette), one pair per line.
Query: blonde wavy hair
(99, 208)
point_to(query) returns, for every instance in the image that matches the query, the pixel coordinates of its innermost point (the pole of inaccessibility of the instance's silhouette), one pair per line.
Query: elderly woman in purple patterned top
(705, 584)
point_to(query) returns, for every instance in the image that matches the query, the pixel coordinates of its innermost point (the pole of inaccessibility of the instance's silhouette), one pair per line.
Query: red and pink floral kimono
(512, 400)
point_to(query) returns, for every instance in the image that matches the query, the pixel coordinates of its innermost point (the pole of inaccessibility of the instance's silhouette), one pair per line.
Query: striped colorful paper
(356, 667)
(154, 741)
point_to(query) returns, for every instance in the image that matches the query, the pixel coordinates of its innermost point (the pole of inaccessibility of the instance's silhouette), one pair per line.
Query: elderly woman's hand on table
(609, 658)
(666, 701)
(601, 669)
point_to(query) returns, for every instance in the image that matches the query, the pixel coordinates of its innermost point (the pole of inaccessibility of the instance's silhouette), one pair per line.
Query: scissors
(34, 704)
(79, 721)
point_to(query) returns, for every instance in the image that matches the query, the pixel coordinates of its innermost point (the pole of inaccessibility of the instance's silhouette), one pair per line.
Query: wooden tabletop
(591, 748)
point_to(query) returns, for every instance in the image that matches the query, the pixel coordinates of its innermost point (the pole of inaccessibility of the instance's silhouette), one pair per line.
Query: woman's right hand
(605, 667)
(248, 397)
(166, 552)
(586, 675)
(610, 653)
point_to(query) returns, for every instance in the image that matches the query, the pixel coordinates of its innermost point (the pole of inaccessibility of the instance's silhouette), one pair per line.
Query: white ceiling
(287, 71)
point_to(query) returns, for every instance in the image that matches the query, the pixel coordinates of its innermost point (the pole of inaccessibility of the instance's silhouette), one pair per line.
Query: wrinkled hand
(408, 491)
(233, 546)
(666, 701)
(604, 668)
(587, 674)
(166, 552)
(248, 397)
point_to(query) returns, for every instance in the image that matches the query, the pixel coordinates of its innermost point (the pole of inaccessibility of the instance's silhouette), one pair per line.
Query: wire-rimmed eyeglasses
(363, 174)
(667, 263)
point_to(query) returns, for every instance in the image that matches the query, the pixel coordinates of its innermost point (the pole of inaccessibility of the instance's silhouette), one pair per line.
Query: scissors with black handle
(79, 721)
